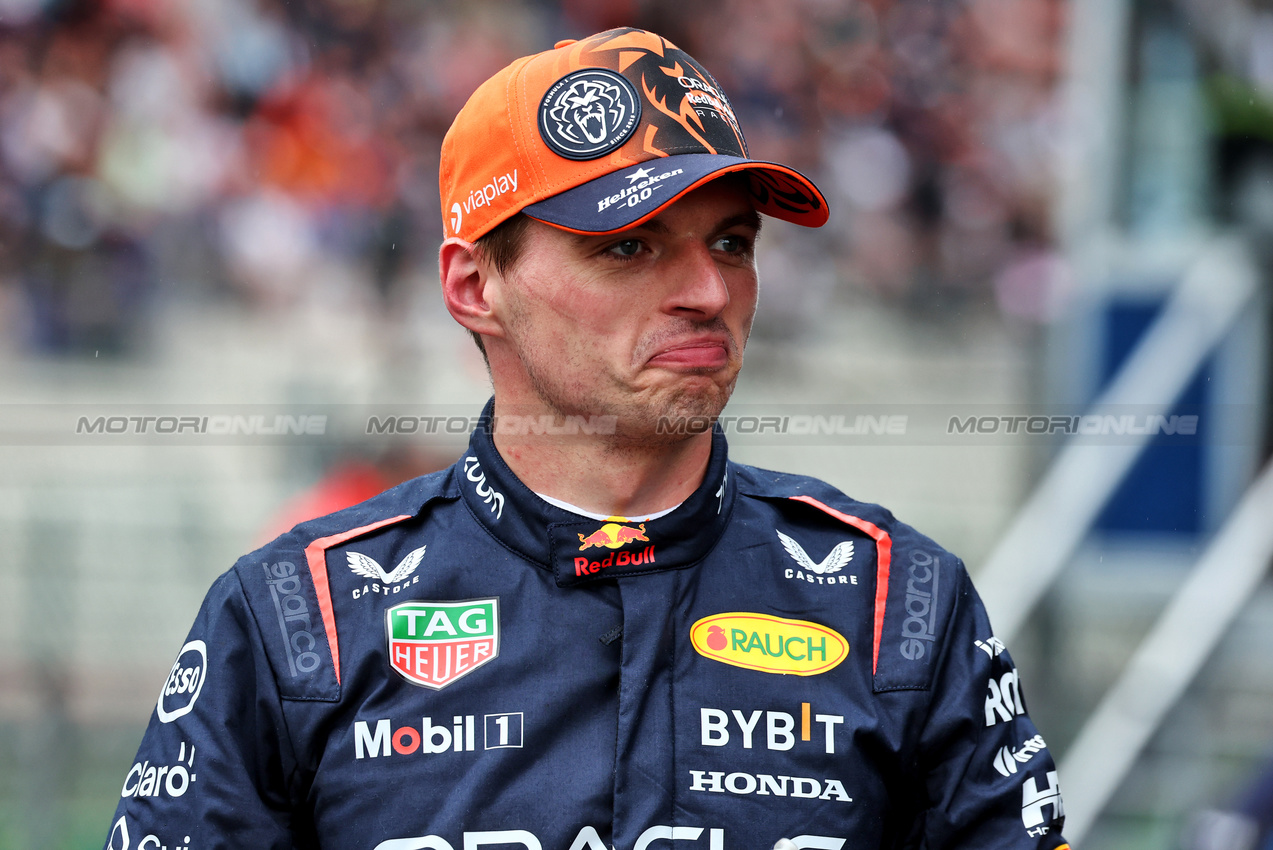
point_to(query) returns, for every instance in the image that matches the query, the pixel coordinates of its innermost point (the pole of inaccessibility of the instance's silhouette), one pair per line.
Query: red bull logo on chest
(615, 533)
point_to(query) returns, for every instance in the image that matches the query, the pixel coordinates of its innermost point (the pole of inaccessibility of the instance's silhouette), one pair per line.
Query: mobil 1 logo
(184, 683)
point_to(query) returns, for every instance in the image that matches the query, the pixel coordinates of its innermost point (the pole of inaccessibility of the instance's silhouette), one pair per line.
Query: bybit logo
(779, 732)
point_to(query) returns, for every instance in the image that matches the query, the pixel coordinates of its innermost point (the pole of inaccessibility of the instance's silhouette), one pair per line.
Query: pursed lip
(698, 353)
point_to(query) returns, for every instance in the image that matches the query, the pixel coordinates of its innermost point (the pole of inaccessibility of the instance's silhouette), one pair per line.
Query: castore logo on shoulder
(382, 582)
(822, 572)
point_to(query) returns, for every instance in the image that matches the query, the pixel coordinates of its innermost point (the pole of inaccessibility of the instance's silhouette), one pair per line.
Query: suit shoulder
(917, 581)
(285, 583)
(407, 499)
(817, 495)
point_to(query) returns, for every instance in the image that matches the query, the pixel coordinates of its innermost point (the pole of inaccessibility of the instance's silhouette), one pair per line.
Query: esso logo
(184, 682)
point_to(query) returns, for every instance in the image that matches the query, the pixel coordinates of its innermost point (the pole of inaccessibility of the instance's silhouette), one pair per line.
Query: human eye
(733, 243)
(626, 249)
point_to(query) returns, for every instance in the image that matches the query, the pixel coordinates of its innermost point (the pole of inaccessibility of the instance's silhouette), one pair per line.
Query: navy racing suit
(457, 663)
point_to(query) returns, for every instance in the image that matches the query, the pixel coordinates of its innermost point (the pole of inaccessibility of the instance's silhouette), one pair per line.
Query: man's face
(643, 324)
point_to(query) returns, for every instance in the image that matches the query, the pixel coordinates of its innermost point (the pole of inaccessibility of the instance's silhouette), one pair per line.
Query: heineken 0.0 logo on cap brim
(431, 644)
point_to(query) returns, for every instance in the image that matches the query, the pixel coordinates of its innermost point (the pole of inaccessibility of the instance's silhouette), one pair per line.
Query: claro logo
(769, 644)
(153, 780)
(184, 682)
(921, 606)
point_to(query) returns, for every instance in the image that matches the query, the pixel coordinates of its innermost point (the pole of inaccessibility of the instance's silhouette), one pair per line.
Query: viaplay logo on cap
(586, 114)
(432, 644)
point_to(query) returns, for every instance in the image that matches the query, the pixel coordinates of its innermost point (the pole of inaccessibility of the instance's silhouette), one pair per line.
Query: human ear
(468, 286)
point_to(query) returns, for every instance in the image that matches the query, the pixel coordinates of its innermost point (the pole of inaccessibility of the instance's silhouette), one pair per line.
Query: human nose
(699, 287)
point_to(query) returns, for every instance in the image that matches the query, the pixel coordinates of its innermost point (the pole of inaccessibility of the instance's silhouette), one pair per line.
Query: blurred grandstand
(1039, 207)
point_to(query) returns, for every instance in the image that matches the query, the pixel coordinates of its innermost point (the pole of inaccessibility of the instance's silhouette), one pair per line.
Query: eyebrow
(750, 218)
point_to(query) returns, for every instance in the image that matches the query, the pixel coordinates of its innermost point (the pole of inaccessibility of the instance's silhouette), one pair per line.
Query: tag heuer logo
(432, 644)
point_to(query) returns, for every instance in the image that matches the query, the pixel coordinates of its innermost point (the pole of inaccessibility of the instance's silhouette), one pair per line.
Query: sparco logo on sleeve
(184, 682)
(432, 644)
(921, 605)
(295, 622)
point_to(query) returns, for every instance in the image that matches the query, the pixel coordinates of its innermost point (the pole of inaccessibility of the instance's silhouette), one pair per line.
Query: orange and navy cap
(599, 135)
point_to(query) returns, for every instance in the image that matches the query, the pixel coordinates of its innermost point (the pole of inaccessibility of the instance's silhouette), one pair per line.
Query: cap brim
(632, 195)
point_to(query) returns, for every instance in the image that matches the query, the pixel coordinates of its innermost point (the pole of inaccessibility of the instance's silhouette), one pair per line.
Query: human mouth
(693, 355)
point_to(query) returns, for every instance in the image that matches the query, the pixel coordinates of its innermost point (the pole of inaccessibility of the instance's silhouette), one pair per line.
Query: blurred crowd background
(235, 202)
(228, 150)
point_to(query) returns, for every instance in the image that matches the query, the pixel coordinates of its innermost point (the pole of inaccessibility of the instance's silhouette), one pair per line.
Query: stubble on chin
(659, 417)
(691, 405)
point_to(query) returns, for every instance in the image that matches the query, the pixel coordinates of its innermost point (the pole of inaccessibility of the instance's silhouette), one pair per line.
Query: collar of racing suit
(578, 550)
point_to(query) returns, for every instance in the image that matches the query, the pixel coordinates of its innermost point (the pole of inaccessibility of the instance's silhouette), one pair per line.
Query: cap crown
(558, 119)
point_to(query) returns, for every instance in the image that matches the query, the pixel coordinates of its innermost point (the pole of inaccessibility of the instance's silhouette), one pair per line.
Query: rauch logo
(432, 644)
(769, 644)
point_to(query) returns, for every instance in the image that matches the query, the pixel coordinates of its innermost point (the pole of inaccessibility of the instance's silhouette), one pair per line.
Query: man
(607, 636)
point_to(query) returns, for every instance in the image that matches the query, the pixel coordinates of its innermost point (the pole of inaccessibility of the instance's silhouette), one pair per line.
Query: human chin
(701, 399)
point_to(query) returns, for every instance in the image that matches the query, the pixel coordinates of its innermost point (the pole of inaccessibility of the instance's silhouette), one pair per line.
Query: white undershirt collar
(574, 509)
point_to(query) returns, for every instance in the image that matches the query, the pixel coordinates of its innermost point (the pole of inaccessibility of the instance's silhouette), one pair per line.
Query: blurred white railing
(1055, 518)
(1211, 297)
(1168, 658)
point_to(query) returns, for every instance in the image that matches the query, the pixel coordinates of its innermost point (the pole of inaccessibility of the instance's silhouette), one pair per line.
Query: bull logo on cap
(588, 113)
